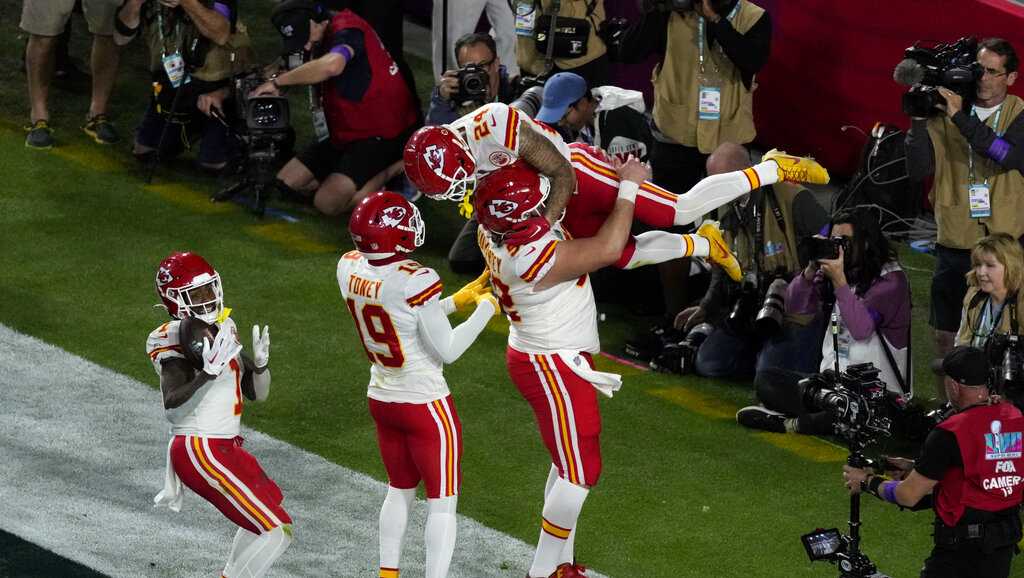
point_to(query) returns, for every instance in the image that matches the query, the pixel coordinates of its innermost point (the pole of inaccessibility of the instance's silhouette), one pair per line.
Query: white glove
(218, 354)
(260, 346)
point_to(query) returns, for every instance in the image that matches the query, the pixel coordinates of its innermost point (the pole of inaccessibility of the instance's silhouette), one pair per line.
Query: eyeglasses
(993, 72)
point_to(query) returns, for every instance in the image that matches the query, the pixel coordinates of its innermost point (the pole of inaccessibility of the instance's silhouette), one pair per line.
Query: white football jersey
(383, 301)
(562, 317)
(492, 133)
(219, 412)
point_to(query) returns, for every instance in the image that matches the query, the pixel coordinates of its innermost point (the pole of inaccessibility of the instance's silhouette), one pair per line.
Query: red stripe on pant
(261, 497)
(415, 444)
(572, 433)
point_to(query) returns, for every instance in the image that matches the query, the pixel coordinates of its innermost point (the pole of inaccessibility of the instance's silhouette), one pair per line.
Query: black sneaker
(40, 135)
(759, 417)
(101, 130)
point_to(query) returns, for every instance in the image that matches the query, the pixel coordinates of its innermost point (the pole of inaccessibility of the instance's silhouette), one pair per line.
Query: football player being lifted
(544, 289)
(203, 376)
(403, 324)
(444, 162)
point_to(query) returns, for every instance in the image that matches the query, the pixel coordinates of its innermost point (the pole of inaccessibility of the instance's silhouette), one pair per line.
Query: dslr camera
(681, 357)
(473, 82)
(1006, 355)
(953, 66)
(825, 248)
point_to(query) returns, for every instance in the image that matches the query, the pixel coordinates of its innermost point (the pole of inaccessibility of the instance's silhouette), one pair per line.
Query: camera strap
(549, 57)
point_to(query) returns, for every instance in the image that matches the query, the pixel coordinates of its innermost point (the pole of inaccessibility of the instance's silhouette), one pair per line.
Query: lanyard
(160, 30)
(970, 151)
(700, 34)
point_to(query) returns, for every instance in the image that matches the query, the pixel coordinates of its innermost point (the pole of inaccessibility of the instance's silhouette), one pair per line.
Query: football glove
(467, 295)
(218, 354)
(260, 346)
(486, 295)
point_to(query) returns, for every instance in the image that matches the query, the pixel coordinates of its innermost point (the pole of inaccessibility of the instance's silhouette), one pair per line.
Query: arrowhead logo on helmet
(392, 216)
(163, 276)
(501, 208)
(434, 158)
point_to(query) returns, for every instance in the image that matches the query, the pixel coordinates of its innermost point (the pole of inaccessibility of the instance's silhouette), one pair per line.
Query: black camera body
(953, 66)
(473, 82)
(856, 398)
(681, 357)
(825, 248)
(1006, 357)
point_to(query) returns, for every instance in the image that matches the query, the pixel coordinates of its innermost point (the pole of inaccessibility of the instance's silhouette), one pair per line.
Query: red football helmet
(384, 223)
(439, 163)
(508, 196)
(190, 287)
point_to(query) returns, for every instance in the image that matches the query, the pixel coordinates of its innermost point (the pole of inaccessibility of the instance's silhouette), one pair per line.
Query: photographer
(970, 469)
(363, 111)
(975, 157)
(458, 91)
(577, 45)
(766, 245)
(870, 293)
(195, 48)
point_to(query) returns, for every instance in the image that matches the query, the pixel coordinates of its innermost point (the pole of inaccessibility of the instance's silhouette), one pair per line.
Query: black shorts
(215, 144)
(360, 160)
(949, 286)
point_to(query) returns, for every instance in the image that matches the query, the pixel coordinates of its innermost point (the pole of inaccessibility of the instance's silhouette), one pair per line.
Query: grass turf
(685, 492)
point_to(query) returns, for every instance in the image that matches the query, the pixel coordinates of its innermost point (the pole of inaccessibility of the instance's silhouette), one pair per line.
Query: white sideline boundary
(82, 455)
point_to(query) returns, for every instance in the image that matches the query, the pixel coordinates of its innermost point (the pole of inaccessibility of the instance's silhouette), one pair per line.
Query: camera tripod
(257, 168)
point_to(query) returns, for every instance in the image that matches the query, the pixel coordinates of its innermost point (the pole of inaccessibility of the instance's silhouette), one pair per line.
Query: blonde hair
(1007, 251)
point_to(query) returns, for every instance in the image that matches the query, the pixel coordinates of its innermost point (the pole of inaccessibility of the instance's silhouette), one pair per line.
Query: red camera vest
(387, 107)
(992, 478)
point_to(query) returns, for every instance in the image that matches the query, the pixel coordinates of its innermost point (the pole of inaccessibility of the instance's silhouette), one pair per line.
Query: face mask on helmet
(202, 299)
(439, 163)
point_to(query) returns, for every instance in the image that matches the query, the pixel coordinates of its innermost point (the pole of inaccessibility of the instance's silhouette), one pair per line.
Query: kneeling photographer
(362, 109)
(195, 47)
(992, 318)
(864, 288)
(970, 467)
(751, 326)
(479, 79)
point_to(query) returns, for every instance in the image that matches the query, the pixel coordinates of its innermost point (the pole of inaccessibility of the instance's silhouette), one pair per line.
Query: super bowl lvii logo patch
(1002, 446)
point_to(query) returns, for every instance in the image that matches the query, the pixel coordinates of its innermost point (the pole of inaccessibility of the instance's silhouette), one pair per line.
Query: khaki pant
(49, 17)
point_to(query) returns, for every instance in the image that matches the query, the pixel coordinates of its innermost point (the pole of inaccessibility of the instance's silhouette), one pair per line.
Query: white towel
(171, 495)
(604, 382)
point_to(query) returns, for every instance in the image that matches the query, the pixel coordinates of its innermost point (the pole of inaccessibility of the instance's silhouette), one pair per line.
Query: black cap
(967, 365)
(291, 18)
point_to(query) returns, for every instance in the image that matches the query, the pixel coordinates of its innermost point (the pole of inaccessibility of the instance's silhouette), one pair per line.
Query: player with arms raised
(403, 325)
(444, 162)
(544, 290)
(203, 378)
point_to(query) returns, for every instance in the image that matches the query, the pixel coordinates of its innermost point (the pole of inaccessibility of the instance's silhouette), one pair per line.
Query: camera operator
(766, 245)
(195, 48)
(362, 108)
(577, 47)
(970, 467)
(865, 285)
(458, 91)
(976, 158)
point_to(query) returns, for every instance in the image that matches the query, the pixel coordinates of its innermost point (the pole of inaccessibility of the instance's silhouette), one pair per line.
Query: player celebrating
(544, 290)
(403, 324)
(444, 161)
(202, 381)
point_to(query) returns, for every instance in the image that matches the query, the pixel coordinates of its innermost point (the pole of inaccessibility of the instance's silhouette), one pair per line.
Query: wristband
(123, 28)
(628, 191)
(889, 491)
(872, 483)
(998, 150)
(261, 370)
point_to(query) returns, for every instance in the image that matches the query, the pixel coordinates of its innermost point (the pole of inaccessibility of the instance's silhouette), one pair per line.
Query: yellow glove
(486, 295)
(467, 295)
(466, 206)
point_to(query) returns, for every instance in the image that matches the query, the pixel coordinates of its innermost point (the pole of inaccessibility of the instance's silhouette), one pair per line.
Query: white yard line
(82, 454)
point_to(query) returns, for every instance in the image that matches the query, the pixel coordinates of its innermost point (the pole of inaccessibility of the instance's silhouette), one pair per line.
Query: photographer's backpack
(882, 180)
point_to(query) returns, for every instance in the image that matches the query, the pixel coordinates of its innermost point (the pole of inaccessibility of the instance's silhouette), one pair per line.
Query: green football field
(685, 491)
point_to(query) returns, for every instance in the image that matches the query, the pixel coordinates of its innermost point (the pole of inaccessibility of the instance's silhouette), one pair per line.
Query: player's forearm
(614, 231)
(448, 343)
(562, 186)
(210, 23)
(261, 384)
(542, 155)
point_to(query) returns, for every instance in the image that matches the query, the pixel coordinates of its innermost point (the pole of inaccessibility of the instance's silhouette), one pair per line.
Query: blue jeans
(796, 347)
(728, 354)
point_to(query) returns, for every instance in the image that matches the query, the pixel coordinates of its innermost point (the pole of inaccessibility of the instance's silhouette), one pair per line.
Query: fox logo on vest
(392, 216)
(1002, 446)
(501, 208)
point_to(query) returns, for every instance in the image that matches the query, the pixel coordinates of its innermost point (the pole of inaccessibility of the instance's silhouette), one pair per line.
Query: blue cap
(560, 91)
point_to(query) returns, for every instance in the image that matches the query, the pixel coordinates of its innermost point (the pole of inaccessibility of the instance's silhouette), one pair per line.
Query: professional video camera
(265, 135)
(473, 82)
(952, 65)
(681, 357)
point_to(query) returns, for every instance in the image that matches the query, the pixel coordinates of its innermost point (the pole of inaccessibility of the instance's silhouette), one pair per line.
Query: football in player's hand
(191, 332)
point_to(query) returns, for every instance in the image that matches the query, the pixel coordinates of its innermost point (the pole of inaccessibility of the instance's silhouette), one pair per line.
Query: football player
(203, 402)
(544, 289)
(444, 161)
(403, 325)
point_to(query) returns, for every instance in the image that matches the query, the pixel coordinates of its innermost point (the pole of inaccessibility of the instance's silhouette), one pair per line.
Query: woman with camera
(865, 286)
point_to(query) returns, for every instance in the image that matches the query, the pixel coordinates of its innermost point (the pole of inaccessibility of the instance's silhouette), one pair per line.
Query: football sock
(440, 535)
(552, 476)
(791, 425)
(659, 246)
(714, 191)
(257, 558)
(568, 552)
(561, 510)
(394, 515)
(242, 540)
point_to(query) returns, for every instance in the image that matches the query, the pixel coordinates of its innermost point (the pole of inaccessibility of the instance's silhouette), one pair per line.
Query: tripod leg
(229, 192)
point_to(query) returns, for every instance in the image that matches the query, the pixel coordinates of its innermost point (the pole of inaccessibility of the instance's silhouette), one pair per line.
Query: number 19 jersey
(383, 301)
